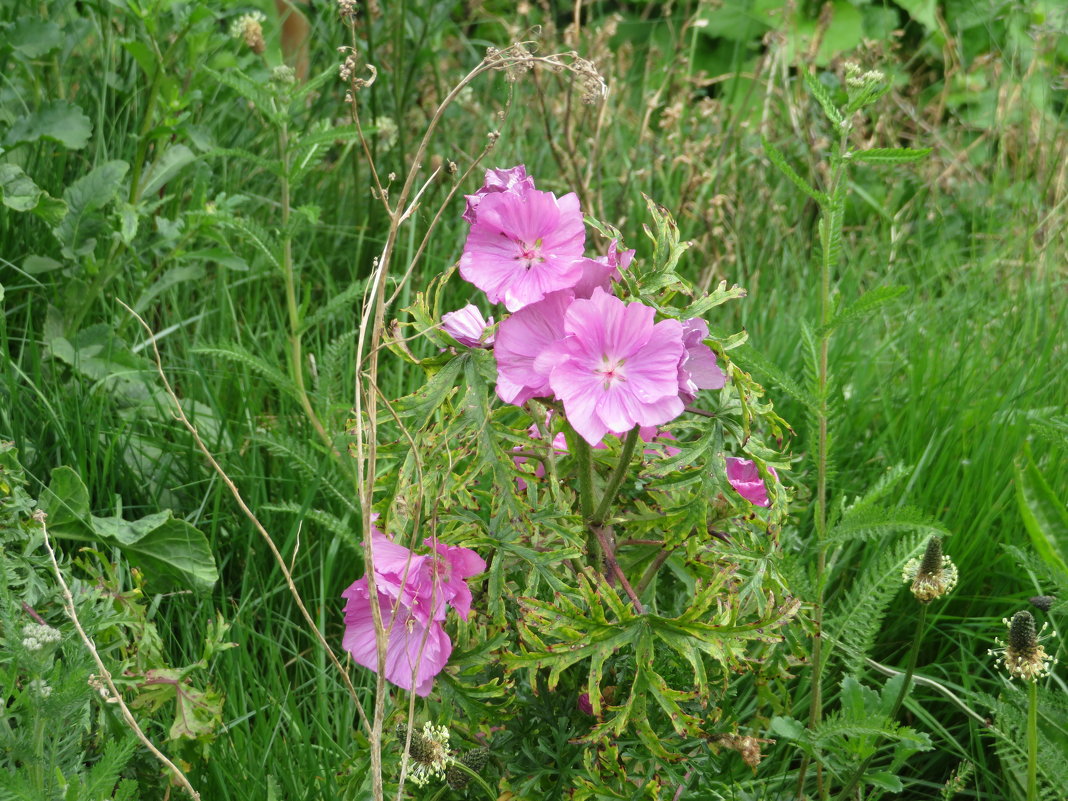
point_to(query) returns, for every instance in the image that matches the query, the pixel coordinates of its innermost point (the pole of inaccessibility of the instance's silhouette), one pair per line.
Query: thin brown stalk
(127, 715)
(179, 413)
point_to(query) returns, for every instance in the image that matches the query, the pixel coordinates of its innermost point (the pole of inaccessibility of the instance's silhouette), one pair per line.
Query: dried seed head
(1024, 656)
(931, 576)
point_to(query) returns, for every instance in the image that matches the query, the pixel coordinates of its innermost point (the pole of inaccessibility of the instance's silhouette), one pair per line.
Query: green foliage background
(133, 168)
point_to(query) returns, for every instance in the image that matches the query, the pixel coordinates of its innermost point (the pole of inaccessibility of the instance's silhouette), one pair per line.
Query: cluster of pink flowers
(414, 594)
(610, 363)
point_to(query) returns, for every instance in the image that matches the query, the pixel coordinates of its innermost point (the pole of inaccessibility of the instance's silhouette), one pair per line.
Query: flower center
(529, 254)
(610, 371)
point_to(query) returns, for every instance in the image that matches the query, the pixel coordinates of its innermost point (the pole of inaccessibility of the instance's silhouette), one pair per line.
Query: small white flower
(39, 687)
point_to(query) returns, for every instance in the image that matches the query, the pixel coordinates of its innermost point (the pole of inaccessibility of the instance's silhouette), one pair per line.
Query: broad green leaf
(890, 155)
(171, 551)
(169, 163)
(19, 192)
(35, 265)
(1044, 514)
(58, 120)
(99, 354)
(884, 781)
(33, 37)
(142, 54)
(78, 230)
(923, 11)
(17, 189)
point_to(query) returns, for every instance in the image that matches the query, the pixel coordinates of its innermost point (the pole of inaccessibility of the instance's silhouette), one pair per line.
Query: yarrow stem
(902, 693)
(1032, 741)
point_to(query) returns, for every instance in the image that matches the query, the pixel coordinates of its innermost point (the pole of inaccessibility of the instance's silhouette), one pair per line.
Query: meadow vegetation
(206, 254)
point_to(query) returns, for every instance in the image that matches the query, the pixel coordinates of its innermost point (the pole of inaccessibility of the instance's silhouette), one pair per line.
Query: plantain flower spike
(931, 576)
(1024, 656)
(429, 751)
(475, 760)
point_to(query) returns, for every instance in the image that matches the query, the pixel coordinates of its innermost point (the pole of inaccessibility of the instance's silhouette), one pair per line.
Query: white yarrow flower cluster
(37, 635)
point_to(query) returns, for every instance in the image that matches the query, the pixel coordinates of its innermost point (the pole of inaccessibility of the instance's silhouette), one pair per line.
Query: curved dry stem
(127, 715)
(179, 413)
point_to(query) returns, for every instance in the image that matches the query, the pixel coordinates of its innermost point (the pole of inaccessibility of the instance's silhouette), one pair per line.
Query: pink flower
(603, 271)
(698, 368)
(414, 645)
(414, 593)
(450, 567)
(559, 446)
(617, 368)
(584, 704)
(524, 245)
(651, 434)
(744, 476)
(525, 347)
(468, 327)
(511, 180)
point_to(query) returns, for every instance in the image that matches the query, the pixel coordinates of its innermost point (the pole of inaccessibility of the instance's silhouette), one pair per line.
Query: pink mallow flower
(603, 271)
(414, 593)
(698, 368)
(468, 327)
(523, 246)
(514, 179)
(414, 646)
(617, 368)
(744, 476)
(525, 348)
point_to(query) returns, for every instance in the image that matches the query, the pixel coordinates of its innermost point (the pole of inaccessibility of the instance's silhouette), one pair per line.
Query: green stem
(830, 227)
(1032, 741)
(296, 355)
(616, 481)
(910, 669)
(581, 449)
(478, 779)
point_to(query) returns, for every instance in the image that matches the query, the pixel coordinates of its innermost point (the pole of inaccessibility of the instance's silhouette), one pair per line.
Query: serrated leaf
(1043, 513)
(171, 551)
(90, 193)
(890, 155)
(33, 37)
(717, 297)
(870, 522)
(864, 306)
(823, 97)
(777, 158)
(422, 403)
(257, 94)
(236, 353)
(58, 120)
(755, 361)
